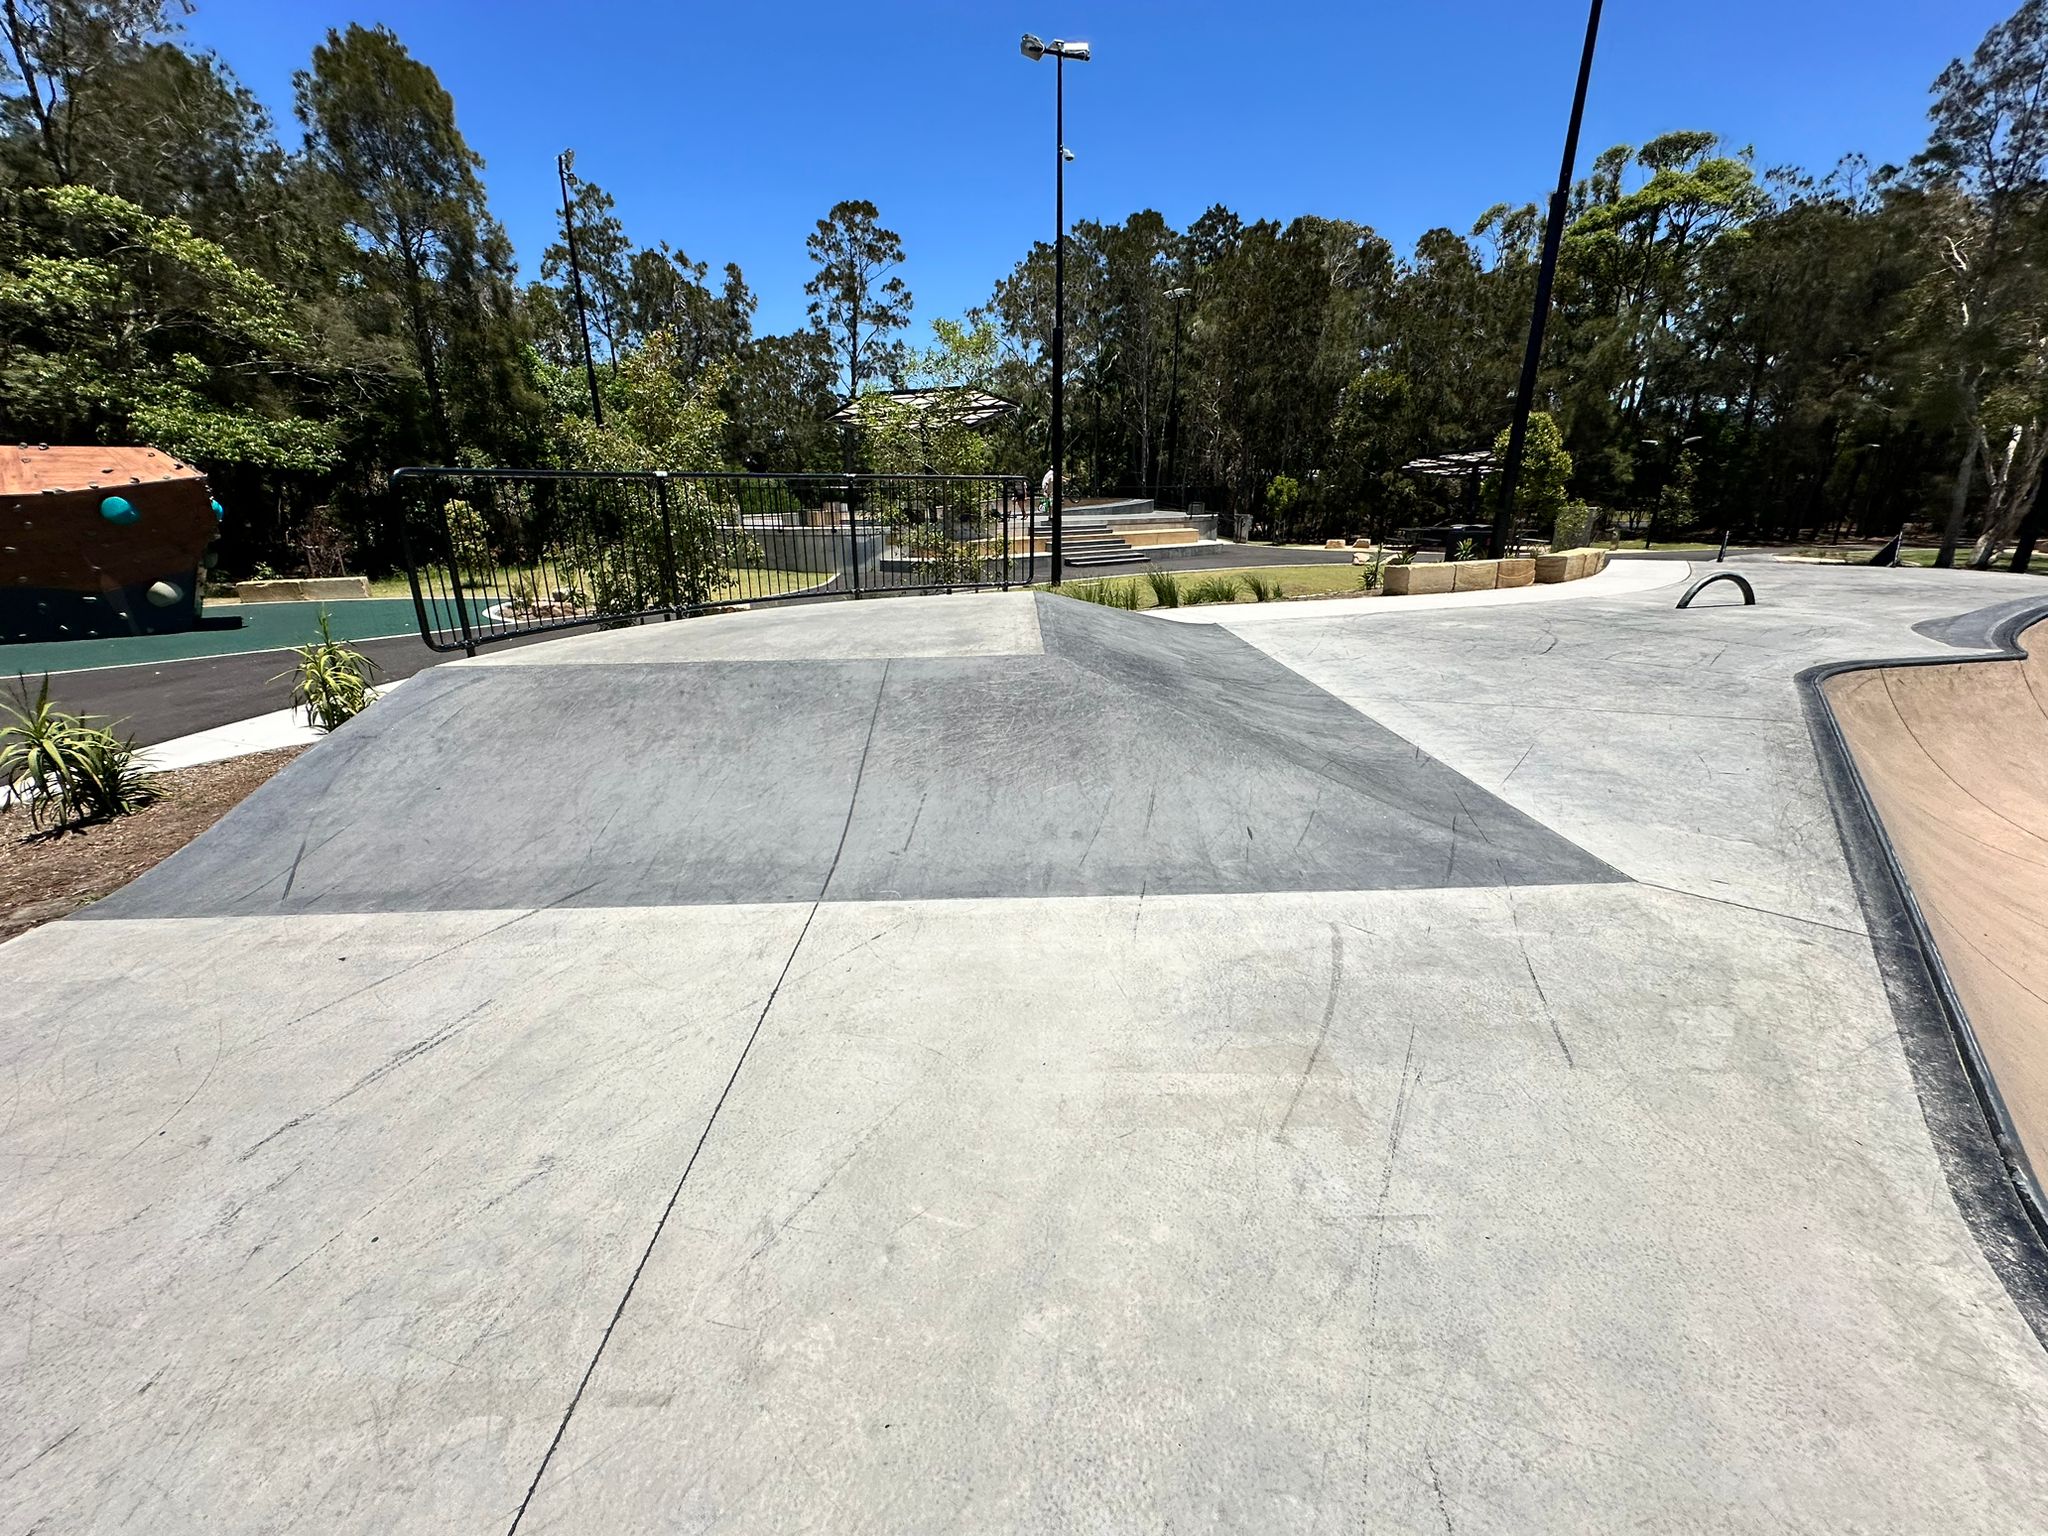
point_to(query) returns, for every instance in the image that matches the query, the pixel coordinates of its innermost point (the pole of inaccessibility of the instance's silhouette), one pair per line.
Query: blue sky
(728, 129)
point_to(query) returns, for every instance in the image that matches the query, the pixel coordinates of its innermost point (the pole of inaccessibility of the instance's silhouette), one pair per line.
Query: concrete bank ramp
(1956, 762)
(1018, 745)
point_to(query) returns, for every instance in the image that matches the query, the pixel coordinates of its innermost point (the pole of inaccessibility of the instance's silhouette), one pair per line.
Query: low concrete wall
(1475, 575)
(1570, 564)
(312, 589)
(800, 549)
(1407, 580)
(1459, 576)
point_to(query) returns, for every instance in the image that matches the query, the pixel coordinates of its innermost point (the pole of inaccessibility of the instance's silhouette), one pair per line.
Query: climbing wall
(100, 541)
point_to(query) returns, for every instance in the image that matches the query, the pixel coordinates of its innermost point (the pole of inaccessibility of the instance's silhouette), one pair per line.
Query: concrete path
(1618, 579)
(989, 1063)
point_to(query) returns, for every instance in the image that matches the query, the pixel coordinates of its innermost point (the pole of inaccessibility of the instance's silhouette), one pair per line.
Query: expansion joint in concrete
(710, 1120)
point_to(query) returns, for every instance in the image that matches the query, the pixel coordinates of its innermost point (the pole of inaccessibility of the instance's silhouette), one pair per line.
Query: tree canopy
(1733, 345)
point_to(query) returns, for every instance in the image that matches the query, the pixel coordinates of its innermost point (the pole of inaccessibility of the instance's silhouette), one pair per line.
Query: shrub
(1212, 589)
(1372, 575)
(945, 561)
(1283, 494)
(1676, 516)
(1165, 590)
(470, 537)
(1573, 528)
(332, 680)
(57, 760)
(636, 555)
(1539, 494)
(1263, 589)
(1110, 594)
(1466, 550)
(326, 544)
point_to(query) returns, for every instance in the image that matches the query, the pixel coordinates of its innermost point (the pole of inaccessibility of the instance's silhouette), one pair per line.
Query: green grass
(1857, 554)
(1324, 580)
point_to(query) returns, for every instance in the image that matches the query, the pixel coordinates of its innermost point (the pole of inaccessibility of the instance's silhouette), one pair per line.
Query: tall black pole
(576, 288)
(1553, 233)
(1059, 313)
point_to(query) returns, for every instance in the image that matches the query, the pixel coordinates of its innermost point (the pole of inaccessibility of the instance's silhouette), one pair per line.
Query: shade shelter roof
(962, 403)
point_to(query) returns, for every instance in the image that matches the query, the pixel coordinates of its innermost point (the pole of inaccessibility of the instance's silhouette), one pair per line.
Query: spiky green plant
(57, 761)
(110, 779)
(332, 682)
(1211, 589)
(38, 751)
(1109, 594)
(1262, 589)
(1165, 589)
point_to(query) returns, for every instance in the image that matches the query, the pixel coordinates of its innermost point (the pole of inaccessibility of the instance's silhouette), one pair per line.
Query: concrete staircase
(1090, 541)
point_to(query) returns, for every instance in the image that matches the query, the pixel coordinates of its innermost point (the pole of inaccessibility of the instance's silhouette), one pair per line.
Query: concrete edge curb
(1990, 1177)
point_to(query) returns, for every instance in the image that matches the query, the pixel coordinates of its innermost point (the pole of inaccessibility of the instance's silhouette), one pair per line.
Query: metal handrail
(1693, 591)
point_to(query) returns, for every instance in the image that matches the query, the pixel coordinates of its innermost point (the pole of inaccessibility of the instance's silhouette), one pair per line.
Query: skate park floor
(993, 1063)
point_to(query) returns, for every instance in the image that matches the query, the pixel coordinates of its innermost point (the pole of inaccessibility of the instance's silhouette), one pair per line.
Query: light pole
(1553, 232)
(1060, 52)
(1179, 297)
(576, 285)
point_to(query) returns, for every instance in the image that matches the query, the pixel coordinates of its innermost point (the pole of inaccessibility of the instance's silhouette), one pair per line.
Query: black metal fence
(494, 553)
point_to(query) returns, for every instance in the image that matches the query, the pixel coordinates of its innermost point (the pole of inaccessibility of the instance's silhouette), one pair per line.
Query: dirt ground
(45, 875)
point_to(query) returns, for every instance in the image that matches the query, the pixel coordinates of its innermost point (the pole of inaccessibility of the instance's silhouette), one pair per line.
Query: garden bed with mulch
(44, 875)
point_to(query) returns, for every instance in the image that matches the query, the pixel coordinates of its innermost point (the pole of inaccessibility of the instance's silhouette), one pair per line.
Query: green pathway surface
(263, 627)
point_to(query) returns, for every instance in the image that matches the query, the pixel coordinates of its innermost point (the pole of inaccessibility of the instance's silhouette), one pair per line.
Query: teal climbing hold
(219, 512)
(119, 509)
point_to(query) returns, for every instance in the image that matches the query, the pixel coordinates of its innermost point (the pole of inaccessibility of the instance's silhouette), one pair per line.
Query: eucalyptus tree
(60, 55)
(1983, 314)
(856, 285)
(380, 132)
(603, 258)
(667, 291)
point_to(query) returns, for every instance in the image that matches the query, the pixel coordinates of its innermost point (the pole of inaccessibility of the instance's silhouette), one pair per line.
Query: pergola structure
(1472, 467)
(960, 403)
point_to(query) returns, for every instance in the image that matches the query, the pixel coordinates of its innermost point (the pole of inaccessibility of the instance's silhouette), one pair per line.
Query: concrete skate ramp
(1013, 746)
(1532, 1209)
(1956, 762)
